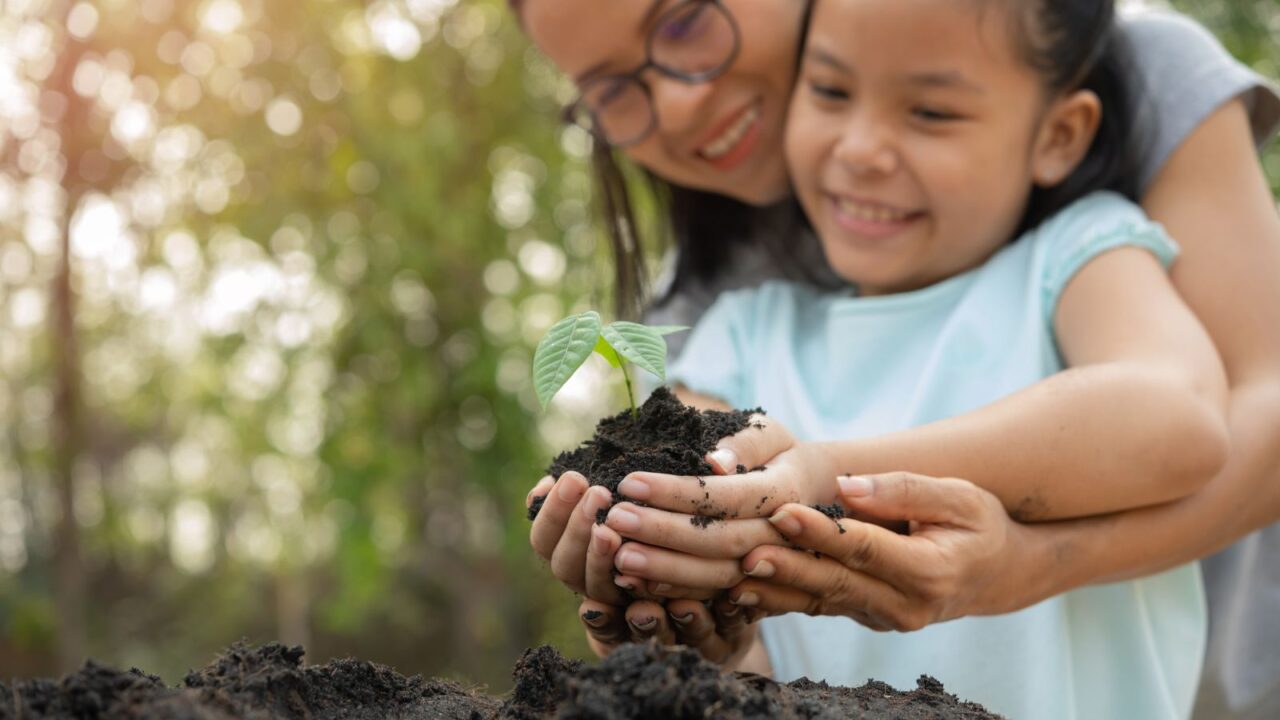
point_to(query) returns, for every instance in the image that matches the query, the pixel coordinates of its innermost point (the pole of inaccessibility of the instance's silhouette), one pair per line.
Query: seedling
(571, 341)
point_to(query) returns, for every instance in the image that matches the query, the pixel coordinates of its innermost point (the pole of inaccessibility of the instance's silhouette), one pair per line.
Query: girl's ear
(1064, 138)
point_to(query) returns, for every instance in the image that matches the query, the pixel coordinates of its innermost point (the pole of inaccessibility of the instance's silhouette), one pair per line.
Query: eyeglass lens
(693, 42)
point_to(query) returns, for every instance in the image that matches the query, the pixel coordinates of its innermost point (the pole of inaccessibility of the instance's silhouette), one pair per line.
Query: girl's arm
(1136, 420)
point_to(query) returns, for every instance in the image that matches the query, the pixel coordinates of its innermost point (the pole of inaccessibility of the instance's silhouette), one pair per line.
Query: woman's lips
(735, 143)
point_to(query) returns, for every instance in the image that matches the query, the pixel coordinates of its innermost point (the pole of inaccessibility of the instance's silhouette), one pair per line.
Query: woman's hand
(959, 558)
(720, 632)
(565, 534)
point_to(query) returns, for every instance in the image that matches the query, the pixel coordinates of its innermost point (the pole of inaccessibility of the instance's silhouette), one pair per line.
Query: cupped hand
(565, 534)
(719, 630)
(959, 556)
(779, 469)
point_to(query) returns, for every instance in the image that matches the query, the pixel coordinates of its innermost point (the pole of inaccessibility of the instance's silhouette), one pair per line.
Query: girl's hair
(1075, 45)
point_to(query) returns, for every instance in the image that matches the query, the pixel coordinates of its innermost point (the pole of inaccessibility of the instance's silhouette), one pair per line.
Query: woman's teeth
(871, 213)
(730, 137)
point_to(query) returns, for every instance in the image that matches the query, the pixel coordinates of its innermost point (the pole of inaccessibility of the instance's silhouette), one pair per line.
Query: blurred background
(271, 274)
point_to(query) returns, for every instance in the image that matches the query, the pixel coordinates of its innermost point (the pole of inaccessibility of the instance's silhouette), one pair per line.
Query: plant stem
(631, 396)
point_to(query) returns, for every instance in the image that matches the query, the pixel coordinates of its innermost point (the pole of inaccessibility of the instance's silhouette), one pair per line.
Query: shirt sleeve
(1183, 75)
(1088, 228)
(711, 362)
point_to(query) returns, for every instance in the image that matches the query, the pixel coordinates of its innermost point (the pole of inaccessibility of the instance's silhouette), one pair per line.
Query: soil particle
(635, 681)
(833, 511)
(666, 437)
(536, 506)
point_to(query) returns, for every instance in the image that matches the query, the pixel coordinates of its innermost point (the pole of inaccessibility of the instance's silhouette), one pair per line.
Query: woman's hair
(1075, 45)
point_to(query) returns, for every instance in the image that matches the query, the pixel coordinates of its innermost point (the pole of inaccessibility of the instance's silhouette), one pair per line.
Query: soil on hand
(665, 437)
(635, 681)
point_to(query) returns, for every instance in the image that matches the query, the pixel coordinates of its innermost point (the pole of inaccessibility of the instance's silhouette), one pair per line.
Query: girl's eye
(828, 92)
(933, 115)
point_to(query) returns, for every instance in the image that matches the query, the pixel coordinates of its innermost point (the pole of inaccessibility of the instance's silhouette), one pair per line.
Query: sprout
(571, 341)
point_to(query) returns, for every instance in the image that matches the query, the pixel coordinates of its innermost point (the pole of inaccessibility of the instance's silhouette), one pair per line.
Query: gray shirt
(1184, 75)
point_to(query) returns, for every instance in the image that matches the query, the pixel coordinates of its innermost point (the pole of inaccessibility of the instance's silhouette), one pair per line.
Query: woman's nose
(678, 105)
(866, 148)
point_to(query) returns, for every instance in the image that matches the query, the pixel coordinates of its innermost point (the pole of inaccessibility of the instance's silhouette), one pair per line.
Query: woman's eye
(685, 25)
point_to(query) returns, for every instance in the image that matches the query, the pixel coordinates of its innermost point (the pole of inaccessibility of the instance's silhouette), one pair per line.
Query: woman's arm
(1213, 197)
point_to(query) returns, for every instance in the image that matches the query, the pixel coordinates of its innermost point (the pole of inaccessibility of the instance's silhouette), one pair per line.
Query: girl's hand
(565, 534)
(788, 471)
(960, 552)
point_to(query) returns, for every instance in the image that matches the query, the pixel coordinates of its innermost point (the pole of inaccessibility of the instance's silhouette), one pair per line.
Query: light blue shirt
(830, 366)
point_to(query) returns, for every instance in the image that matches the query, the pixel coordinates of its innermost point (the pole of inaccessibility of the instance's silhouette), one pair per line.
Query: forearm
(1086, 441)
(1244, 497)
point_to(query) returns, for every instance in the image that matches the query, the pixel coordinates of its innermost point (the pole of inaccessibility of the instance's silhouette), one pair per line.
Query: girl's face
(911, 137)
(723, 136)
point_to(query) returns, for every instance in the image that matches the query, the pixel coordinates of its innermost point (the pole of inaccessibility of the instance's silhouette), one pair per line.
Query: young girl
(925, 135)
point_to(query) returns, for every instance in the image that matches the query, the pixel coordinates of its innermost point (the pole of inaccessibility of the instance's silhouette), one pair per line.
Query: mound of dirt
(635, 681)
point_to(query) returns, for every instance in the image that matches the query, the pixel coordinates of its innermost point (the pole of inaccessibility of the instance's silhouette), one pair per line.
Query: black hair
(1075, 45)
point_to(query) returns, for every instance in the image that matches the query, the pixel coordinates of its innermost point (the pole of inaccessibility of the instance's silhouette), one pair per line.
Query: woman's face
(724, 135)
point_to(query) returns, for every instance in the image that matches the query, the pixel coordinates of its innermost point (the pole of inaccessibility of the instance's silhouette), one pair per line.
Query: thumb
(760, 441)
(918, 498)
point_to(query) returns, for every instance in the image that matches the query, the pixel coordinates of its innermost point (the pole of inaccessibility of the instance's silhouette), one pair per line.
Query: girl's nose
(679, 105)
(866, 148)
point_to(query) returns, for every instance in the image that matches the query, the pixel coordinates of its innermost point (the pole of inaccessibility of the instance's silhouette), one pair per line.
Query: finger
(856, 545)
(772, 598)
(666, 566)
(647, 619)
(551, 520)
(907, 496)
(731, 619)
(753, 446)
(605, 624)
(695, 626)
(598, 573)
(755, 494)
(569, 559)
(689, 533)
(539, 490)
(633, 588)
(666, 591)
(838, 589)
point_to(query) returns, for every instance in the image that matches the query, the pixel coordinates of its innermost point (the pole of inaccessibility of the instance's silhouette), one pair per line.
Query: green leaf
(640, 344)
(562, 351)
(606, 350)
(668, 329)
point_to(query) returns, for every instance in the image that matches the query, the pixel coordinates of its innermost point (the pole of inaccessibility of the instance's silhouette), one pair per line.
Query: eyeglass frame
(571, 111)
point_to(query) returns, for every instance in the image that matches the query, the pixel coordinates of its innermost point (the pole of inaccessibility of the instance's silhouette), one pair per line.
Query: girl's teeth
(726, 141)
(871, 213)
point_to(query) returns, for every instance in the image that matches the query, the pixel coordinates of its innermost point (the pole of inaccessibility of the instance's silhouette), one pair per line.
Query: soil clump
(665, 437)
(634, 682)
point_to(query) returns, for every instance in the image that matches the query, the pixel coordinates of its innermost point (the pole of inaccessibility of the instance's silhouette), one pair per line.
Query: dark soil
(665, 437)
(635, 681)
(833, 511)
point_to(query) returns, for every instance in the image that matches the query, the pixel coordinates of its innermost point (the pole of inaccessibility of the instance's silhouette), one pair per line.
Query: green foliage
(571, 341)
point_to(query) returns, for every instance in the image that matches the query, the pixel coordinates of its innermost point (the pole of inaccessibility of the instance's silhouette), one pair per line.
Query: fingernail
(747, 599)
(785, 523)
(854, 485)
(627, 585)
(568, 491)
(661, 589)
(731, 610)
(623, 520)
(598, 500)
(598, 545)
(726, 459)
(763, 569)
(631, 561)
(595, 618)
(682, 620)
(645, 624)
(634, 489)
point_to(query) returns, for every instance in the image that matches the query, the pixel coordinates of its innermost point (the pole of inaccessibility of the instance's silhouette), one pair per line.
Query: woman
(709, 123)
